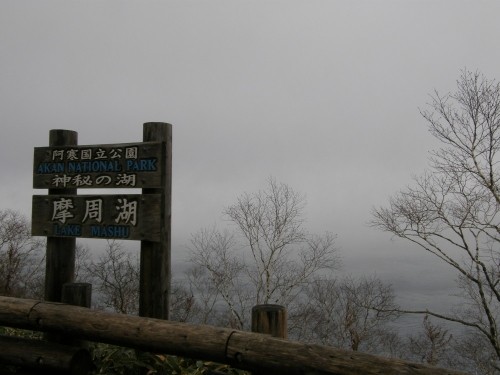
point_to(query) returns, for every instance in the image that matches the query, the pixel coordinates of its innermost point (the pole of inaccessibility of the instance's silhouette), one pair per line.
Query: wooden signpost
(63, 216)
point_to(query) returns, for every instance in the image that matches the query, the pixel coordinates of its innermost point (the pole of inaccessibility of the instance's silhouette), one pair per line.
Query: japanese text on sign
(107, 216)
(126, 165)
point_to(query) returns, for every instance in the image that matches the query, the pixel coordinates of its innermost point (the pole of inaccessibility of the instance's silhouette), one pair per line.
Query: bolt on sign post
(62, 215)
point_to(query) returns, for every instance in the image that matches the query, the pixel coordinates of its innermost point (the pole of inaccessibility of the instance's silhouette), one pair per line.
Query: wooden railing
(244, 350)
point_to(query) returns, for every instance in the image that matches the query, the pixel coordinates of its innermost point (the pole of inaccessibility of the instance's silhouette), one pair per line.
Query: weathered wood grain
(146, 225)
(60, 255)
(44, 356)
(88, 170)
(155, 272)
(270, 319)
(244, 350)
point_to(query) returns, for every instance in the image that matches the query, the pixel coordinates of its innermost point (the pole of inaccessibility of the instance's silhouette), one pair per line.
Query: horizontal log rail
(243, 350)
(47, 358)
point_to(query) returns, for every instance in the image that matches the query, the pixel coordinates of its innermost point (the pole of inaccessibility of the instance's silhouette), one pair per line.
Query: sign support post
(155, 274)
(60, 256)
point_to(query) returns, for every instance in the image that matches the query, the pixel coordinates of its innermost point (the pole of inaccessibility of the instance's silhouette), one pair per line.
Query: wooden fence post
(76, 294)
(154, 288)
(270, 319)
(60, 256)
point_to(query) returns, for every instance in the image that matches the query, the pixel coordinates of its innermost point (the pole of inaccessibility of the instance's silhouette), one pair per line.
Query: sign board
(126, 165)
(65, 167)
(127, 217)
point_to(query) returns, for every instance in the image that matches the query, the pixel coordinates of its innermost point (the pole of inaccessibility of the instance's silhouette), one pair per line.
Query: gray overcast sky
(322, 95)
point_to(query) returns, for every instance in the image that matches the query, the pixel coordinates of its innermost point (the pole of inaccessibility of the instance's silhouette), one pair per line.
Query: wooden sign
(63, 215)
(126, 165)
(126, 217)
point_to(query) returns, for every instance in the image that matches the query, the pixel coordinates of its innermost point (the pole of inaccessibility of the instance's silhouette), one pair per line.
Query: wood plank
(121, 165)
(122, 216)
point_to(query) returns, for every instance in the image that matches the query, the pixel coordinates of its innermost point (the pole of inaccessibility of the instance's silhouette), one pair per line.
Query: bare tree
(432, 345)
(196, 298)
(182, 303)
(271, 258)
(475, 355)
(452, 211)
(116, 276)
(219, 276)
(345, 313)
(283, 256)
(21, 257)
(83, 260)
